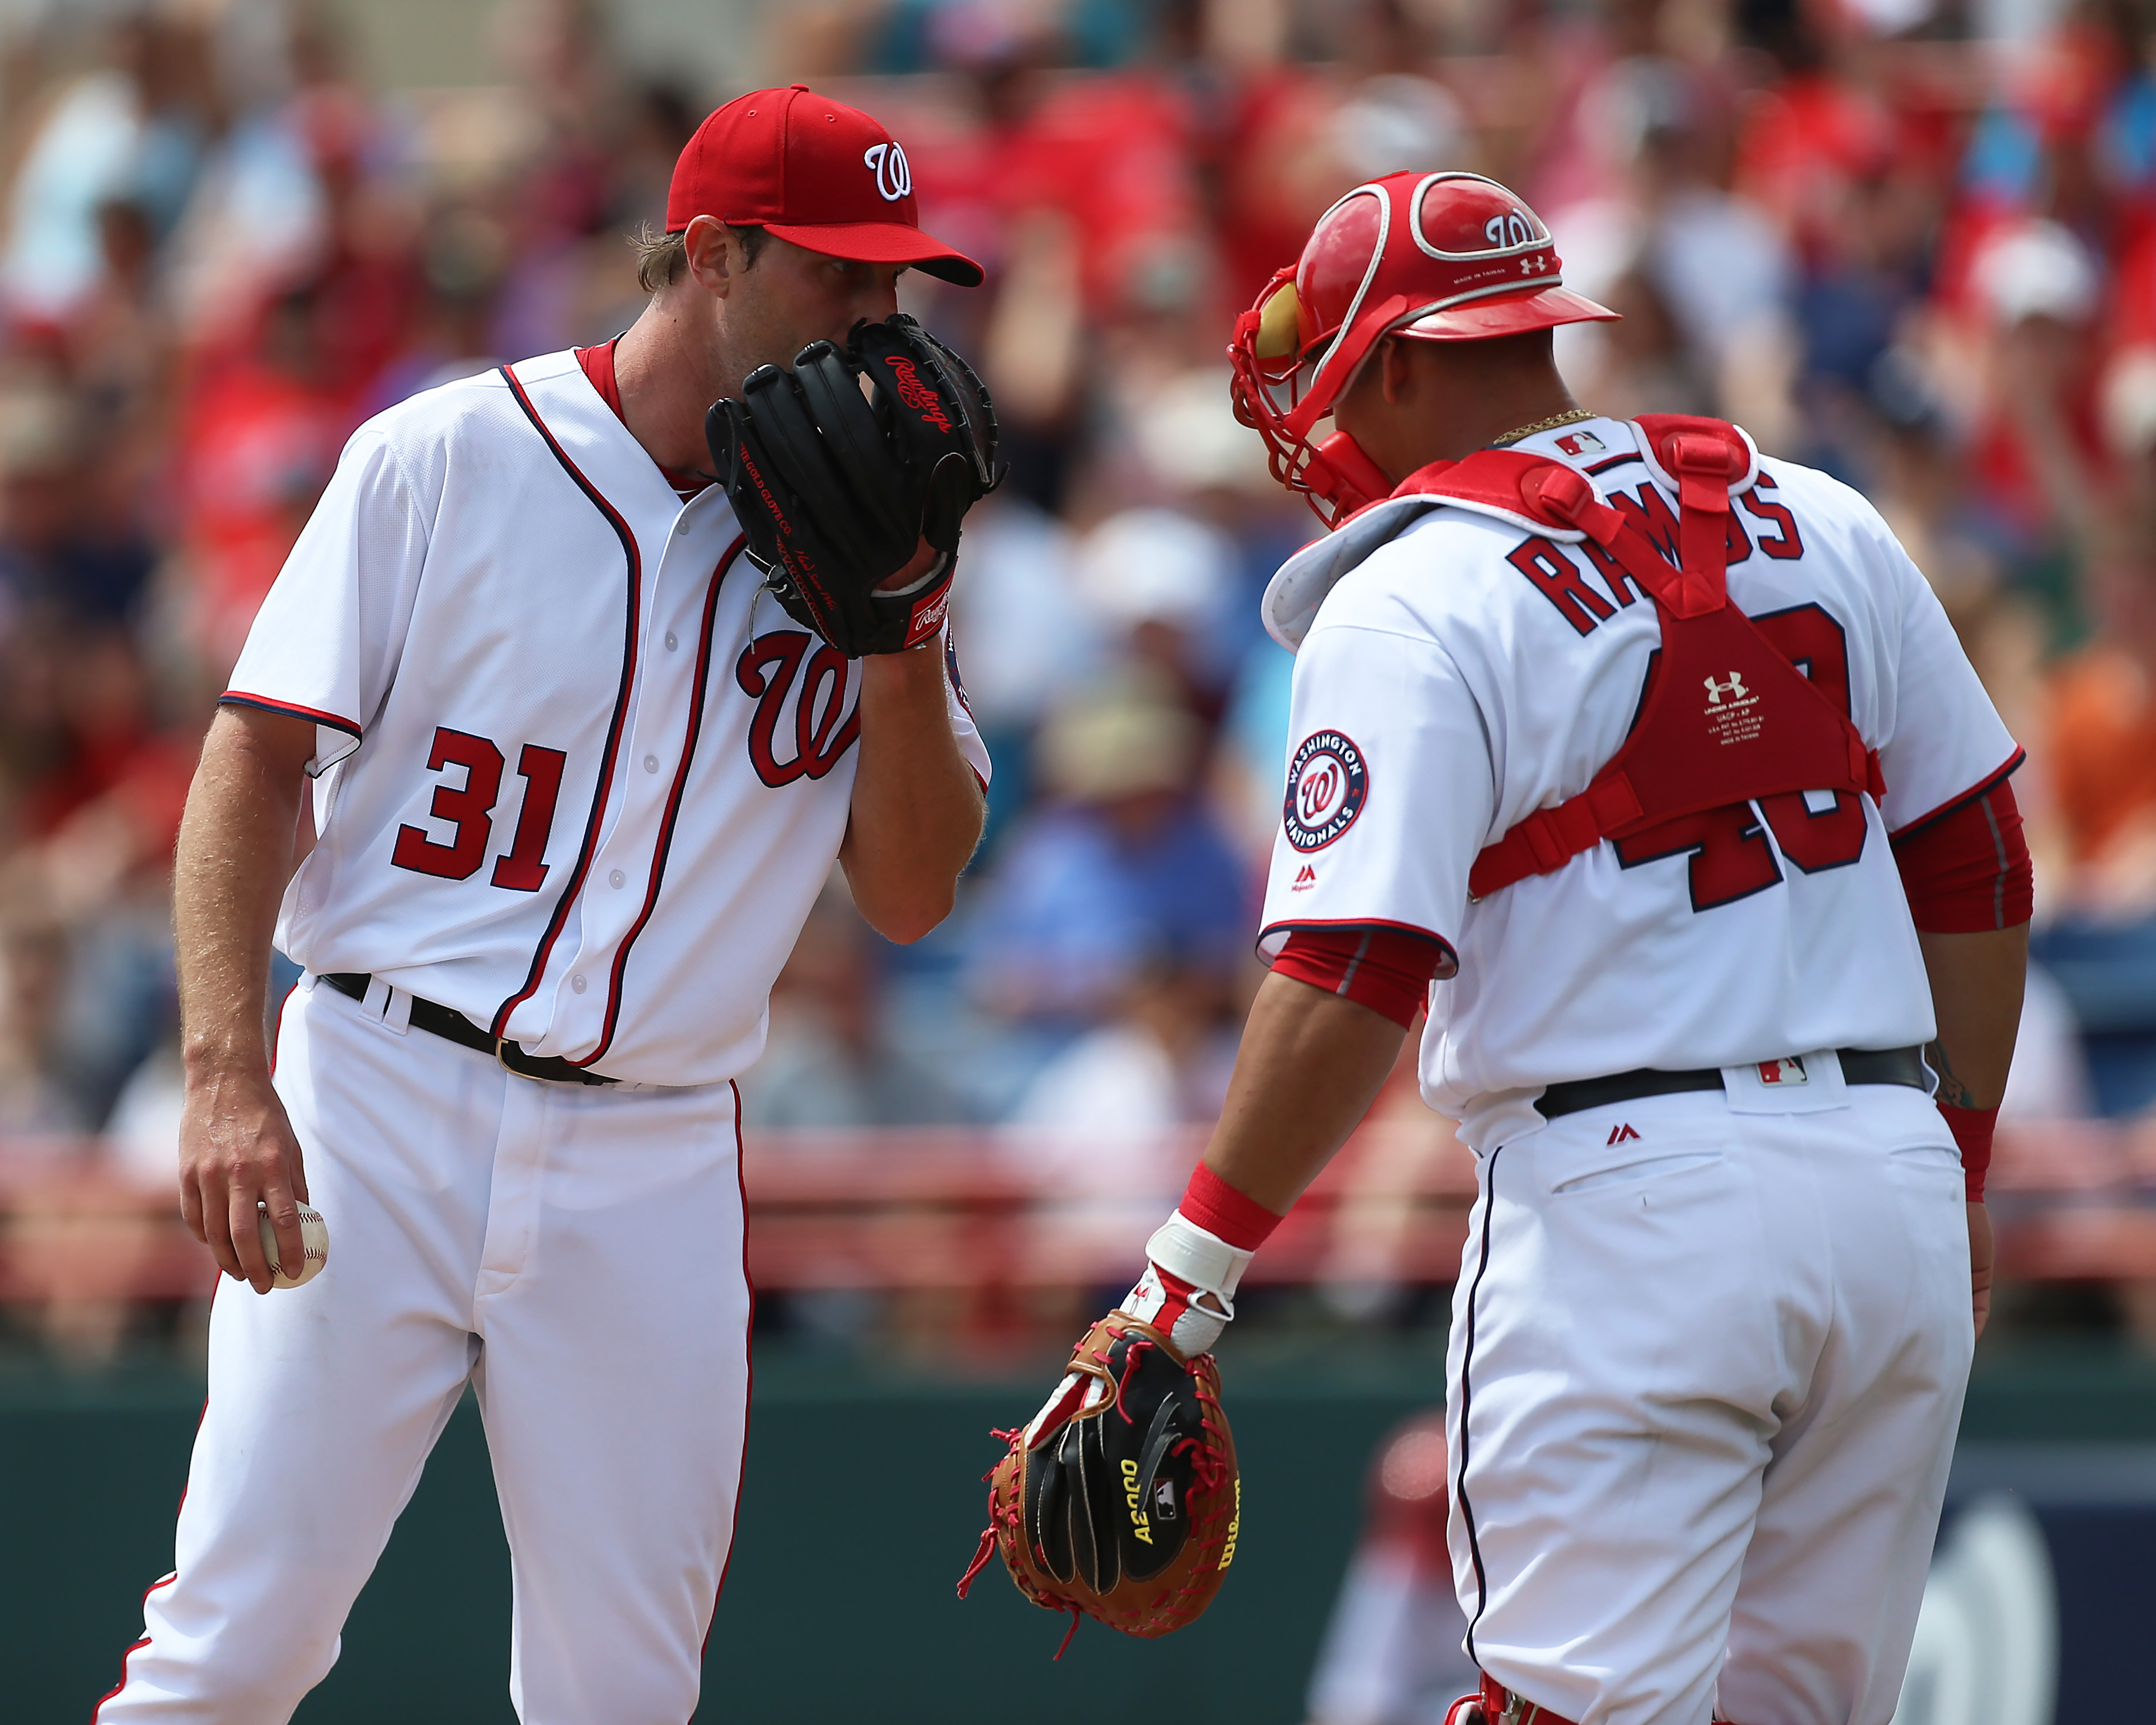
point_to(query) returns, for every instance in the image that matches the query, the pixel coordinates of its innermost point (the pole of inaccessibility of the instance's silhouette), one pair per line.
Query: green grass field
(863, 1505)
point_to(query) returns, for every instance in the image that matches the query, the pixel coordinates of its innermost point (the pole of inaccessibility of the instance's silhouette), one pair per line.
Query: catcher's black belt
(456, 1027)
(1859, 1065)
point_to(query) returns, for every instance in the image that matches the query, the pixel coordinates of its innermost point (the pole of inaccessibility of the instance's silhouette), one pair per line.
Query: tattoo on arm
(1953, 1093)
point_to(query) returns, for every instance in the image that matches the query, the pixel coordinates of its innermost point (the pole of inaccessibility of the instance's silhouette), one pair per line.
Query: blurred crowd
(1911, 241)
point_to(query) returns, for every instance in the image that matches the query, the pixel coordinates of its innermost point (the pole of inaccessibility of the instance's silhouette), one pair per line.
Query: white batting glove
(1188, 1292)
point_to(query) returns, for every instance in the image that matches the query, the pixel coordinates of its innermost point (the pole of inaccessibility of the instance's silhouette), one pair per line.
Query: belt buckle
(501, 1059)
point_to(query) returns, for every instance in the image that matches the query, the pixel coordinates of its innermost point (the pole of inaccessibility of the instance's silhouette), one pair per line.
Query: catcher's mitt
(839, 469)
(1120, 1499)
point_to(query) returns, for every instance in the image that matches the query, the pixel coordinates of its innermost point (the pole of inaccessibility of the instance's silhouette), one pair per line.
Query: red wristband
(1225, 1213)
(1971, 1129)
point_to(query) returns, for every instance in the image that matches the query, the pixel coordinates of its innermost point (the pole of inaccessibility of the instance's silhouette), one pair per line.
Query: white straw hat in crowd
(1120, 742)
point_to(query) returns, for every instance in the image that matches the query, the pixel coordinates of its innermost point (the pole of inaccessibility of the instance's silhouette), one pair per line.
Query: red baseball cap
(815, 172)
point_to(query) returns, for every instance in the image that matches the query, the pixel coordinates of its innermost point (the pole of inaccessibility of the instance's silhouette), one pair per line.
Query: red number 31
(467, 809)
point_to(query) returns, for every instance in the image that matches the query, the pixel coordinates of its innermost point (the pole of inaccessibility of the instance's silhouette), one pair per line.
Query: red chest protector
(1727, 717)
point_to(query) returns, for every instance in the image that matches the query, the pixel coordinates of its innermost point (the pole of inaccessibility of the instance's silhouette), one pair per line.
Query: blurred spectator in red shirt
(259, 440)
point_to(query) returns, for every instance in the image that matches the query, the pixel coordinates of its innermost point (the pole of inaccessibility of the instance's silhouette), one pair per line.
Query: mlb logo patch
(1789, 1072)
(1581, 443)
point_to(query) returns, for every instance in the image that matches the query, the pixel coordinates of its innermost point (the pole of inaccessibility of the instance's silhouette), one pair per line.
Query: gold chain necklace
(1513, 436)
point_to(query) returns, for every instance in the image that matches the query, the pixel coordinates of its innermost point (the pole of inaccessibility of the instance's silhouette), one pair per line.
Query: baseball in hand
(314, 1244)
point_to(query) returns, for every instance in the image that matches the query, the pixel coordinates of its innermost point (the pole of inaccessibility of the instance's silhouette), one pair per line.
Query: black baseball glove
(1121, 1499)
(840, 468)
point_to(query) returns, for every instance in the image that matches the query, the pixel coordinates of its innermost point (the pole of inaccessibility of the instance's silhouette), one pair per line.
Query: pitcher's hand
(237, 1150)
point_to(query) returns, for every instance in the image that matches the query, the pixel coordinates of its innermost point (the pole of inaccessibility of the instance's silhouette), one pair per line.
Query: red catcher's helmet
(1439, 257)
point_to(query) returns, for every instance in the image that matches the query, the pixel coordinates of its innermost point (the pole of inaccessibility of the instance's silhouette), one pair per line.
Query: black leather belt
(1859, 1065)
(456, 1027)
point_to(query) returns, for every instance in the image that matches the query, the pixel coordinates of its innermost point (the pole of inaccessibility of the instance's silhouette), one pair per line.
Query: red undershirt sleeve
(1383, 968)
(1968, 870)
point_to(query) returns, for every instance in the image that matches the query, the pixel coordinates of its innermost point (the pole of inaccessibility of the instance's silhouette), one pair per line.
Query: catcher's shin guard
(1493, 1704)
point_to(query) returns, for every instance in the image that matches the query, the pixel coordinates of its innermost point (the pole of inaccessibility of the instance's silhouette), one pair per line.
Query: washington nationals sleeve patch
(1327, 783)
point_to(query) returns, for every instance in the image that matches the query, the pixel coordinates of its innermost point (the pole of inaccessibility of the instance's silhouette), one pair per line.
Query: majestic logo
(905, 378)
(1788, 1072)
(894, 174)
(1581, 443)
(1327, 781)
(1622, 1134)
(1734, 688)
(1306, 877)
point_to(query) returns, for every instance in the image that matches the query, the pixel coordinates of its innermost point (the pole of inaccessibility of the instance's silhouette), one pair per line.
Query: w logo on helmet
(894, 174)
(1513, 228)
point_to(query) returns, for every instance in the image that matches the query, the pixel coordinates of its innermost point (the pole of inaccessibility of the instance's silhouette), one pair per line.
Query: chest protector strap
(1726, 718)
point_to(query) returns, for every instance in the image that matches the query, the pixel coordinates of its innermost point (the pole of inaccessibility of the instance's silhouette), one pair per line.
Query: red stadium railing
(975, 1210)
(939, 1210)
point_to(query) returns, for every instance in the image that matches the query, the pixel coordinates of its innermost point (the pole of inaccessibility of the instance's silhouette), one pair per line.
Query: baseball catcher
(1646, 768)
(839, 470)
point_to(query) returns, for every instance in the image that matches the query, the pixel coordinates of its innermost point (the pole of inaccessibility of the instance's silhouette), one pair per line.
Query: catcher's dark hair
(661, 257)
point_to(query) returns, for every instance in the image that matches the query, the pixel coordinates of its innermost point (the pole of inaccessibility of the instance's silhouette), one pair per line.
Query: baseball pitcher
(581, 730)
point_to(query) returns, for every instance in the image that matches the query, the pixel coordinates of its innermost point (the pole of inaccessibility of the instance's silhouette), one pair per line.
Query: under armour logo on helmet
(894, 174)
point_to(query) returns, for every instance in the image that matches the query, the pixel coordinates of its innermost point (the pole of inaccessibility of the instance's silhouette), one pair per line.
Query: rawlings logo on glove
(918, 395)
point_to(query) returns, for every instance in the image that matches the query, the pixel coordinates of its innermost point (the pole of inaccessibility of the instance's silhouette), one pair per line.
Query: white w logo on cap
(894, 175)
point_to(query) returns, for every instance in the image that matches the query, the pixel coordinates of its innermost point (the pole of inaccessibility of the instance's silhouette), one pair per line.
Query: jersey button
(617, 879)
(673, 640)
(651, 763)
(577, 982)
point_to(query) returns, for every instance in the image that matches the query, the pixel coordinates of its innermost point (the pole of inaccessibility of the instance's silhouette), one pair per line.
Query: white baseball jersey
(579, 776)
(1460, 672)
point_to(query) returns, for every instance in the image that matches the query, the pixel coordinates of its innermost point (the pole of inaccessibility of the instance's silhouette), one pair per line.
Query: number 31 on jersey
(468, 810)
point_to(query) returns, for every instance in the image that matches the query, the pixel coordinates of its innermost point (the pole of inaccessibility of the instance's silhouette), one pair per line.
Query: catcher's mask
(1439, 257)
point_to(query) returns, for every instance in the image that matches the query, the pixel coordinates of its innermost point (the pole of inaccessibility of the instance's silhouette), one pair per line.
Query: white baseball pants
(575, 1253)
(1706, 1370)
